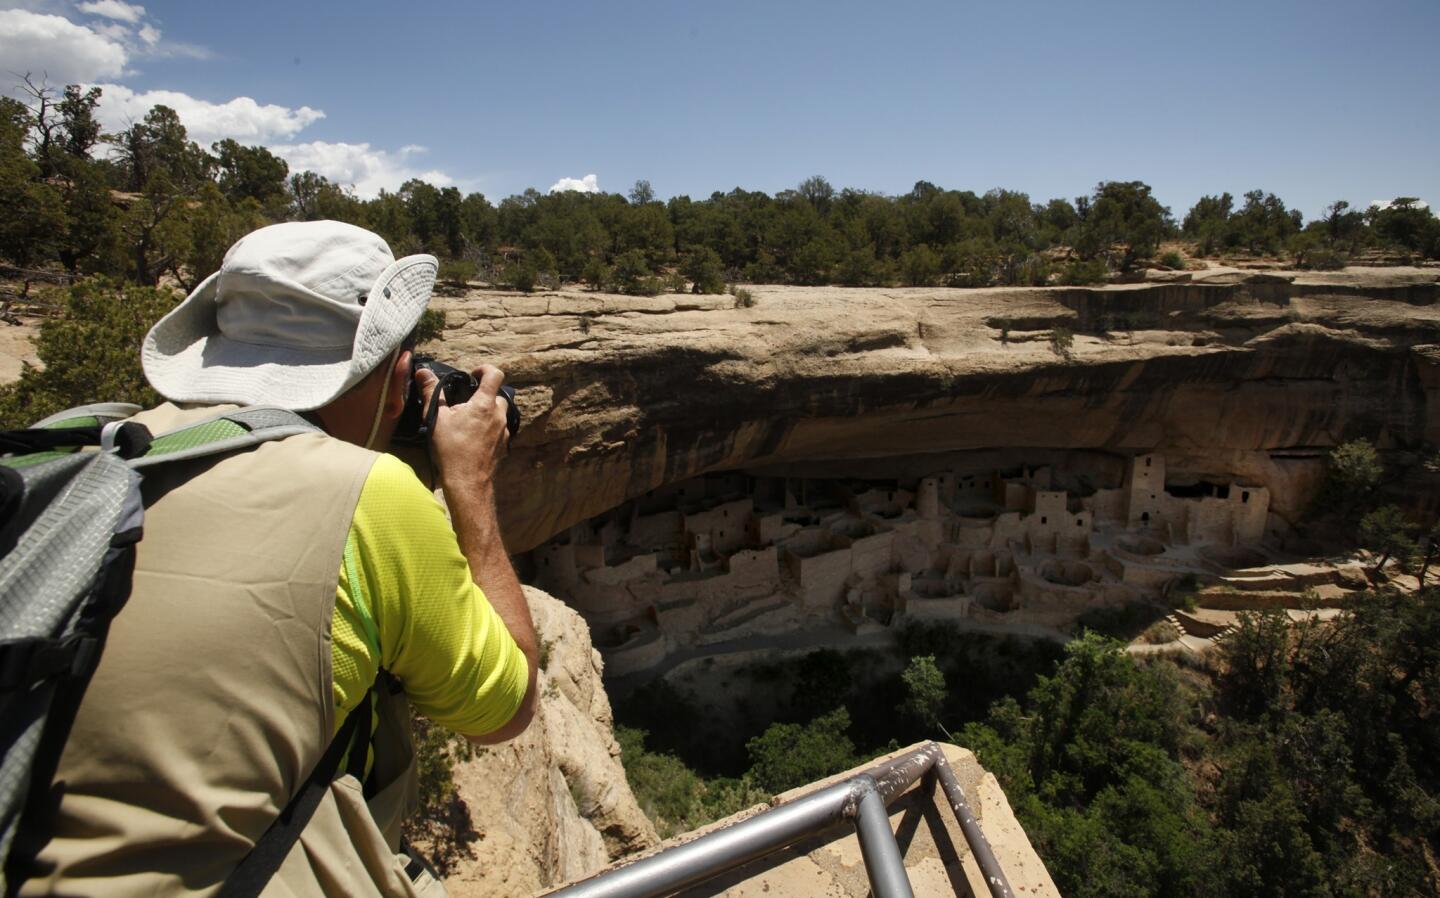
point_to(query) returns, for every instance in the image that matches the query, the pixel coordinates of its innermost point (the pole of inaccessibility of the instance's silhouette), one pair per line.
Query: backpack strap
(225, 432)
(256, 869)
(64, 432)
(89, 415)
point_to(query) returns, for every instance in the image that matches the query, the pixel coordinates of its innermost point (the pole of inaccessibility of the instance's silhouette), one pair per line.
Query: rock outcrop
(937, 859)
(553, 804)
(1229, 374)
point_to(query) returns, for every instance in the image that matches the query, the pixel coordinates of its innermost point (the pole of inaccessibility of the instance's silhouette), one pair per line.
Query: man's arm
(468, 441)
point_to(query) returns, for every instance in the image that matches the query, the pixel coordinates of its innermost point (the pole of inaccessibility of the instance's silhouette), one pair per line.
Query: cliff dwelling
(734, 554)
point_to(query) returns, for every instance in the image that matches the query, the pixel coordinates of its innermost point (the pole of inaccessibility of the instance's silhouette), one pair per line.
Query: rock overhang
(624, 394)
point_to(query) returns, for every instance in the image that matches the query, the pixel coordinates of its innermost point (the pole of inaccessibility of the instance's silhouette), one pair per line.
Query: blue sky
(1315, 101)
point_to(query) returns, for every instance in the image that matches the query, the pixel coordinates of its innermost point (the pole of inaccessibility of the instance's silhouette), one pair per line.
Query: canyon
(692, 470)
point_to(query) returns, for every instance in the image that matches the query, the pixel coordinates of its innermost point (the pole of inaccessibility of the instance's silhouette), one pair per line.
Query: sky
(1314, 101)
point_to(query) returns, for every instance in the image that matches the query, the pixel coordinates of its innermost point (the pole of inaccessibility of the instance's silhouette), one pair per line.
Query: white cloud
(129, 13)
(60, 50)
(587, 184)
(35, 40)
(241, 118)
(359, 165)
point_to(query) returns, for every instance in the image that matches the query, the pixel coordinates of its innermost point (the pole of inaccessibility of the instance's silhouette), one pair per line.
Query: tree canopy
(148, 202)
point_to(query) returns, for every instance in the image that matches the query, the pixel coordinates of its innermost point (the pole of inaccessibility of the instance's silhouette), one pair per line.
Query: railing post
(883, 863)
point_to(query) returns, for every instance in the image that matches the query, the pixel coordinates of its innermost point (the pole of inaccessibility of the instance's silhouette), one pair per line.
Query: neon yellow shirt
(407, 602)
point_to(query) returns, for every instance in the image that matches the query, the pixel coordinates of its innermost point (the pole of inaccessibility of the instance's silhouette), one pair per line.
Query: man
(280, 590)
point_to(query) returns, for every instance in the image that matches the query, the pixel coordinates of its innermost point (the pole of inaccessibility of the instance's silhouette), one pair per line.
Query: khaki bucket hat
(297, 314)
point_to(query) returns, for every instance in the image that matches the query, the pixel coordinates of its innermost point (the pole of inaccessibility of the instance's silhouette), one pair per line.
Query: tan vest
(213, 699)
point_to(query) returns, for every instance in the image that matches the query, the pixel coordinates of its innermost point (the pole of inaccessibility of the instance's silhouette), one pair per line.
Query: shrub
(442, 820)
(1355, 472)
(676, 282)
(1322, 259)
(522, 276)
(547, 271)
(667, 791)
(705, 270)
(744, 299)
(89, 352)
(1084, 274)
(1173, 260)
(919, 266)
(861, 268)
(430, 327)
(1062, 342)
(787, 755)
(633, 275)
(597, 274)
(1160, 633)
(457, 271)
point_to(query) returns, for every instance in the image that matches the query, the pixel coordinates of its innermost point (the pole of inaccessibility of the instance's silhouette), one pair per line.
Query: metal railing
(862, 800)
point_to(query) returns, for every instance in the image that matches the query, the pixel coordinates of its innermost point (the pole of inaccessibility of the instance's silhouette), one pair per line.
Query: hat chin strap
(384, 394)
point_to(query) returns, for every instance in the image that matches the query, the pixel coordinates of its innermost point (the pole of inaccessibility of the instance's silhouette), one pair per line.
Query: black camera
(416, 422)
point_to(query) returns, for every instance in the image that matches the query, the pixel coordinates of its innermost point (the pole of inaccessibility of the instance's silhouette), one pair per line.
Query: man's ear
(399, 385)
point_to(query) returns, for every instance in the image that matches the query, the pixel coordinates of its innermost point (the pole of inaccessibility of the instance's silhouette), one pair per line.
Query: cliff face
(1237, 376)
(553, 804)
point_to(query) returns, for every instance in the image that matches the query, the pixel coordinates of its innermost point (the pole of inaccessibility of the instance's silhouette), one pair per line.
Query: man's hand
(469, 439)
(467, 443)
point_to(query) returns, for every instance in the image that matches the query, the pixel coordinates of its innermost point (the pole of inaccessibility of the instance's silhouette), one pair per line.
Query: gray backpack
(69, 524)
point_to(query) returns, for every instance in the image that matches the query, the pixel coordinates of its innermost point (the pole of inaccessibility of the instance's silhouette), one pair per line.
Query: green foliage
(1312, 250)
(458, 271)
(1257, 661)
(919, 266)
(642, 193)
(862, 268)
(33, 216)
(1406, 225)
(1311, 770)
(1062, 342)
(1263, 226)
(597, 275)
(924, 691)
(1092, 766)
(521, 275)
(744, 299)
(1387, 534)
(201, 232)
(56, 204)
(1173, 260)
(667, 791)
(431, 326)
(673, 796)
(705, 270)
(1355, 471)
(1121, 217)
(89, 352)
(787, 755)
(633, 275)
(442, 822)
(1085, 274)
(250, 173)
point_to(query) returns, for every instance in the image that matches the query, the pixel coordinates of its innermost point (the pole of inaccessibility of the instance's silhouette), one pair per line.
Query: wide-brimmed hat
(297, 314)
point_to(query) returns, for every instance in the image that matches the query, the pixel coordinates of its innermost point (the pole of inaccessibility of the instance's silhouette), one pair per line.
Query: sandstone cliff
(552, 805)
(1246, 377)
